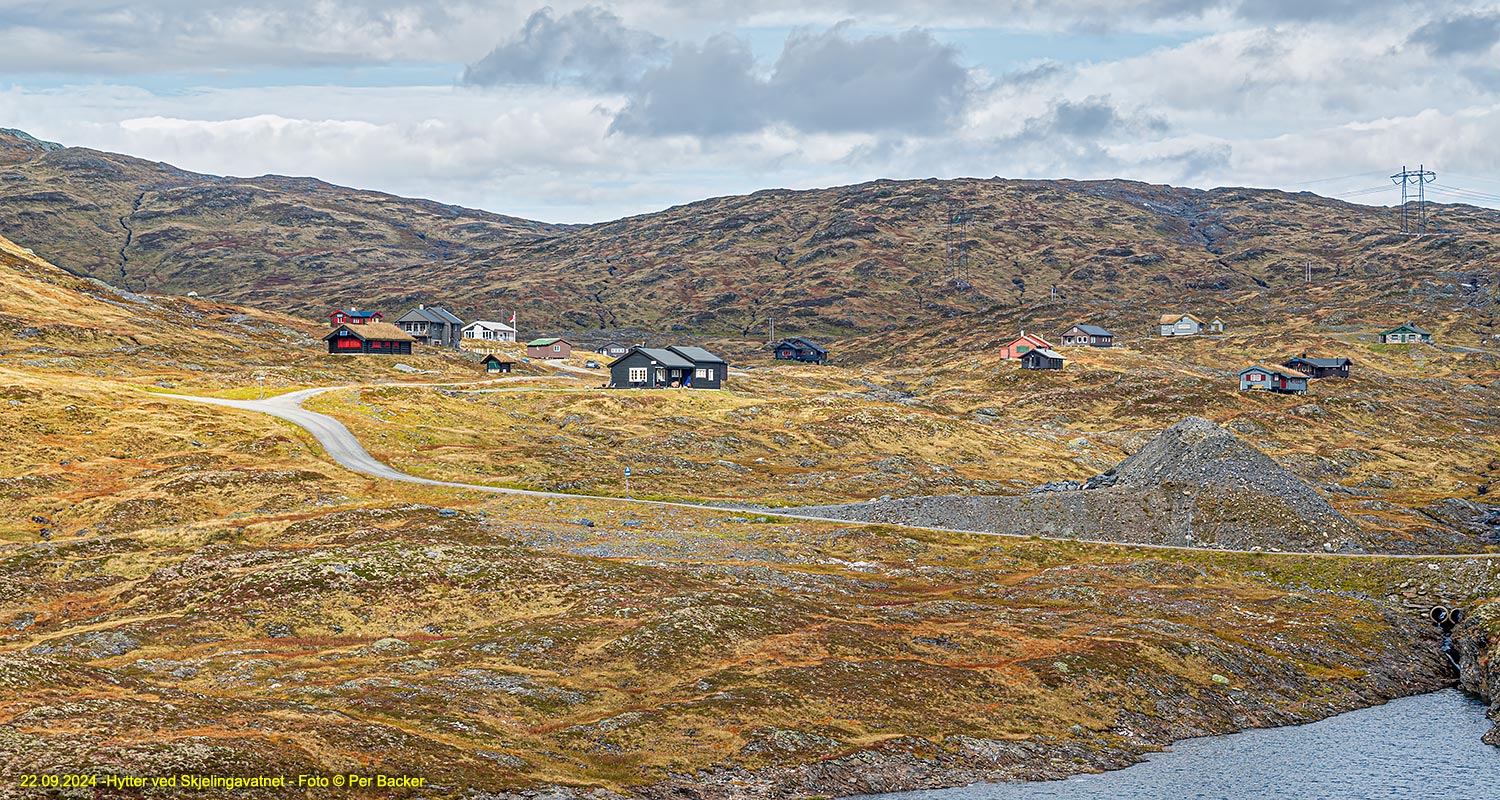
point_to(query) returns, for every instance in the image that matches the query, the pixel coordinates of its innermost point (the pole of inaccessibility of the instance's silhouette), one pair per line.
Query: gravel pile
(1195, 484)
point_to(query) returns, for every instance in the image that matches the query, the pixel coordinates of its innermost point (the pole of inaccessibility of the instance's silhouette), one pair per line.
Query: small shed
(1216, 325)
(369, 337)
(1087, 336)
(1180, 325)
(1021, 344)
(1405, 334)
(1320, 367)
(799, 349)
(549, 348)
(1042, 358)
(1274, 379)
(494, 365)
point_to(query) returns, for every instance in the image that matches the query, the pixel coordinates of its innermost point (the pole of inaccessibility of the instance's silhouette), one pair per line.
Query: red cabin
(354, 317)
(369, 337)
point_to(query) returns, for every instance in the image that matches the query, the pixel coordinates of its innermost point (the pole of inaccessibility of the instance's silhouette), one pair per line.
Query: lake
(1423, 746)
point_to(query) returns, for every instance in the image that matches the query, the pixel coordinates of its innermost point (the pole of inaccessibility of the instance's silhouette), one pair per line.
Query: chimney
(421, 306)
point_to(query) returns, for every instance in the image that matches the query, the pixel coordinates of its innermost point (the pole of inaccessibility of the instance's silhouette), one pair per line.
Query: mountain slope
(148, 226)
(830, 262)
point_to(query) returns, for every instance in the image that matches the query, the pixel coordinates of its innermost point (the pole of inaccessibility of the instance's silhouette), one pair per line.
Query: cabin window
(704, 374)
(557, 348)
(637, 374)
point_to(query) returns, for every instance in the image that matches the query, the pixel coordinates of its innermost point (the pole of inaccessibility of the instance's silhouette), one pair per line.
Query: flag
(512, 317)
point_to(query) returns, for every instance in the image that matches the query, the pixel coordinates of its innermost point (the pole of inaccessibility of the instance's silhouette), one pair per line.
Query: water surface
(1416, 747)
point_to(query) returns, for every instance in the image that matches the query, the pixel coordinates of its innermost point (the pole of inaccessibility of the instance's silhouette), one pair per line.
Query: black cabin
(370, 337)
(668, 368)
(798, 349)
(1041, 358)
(493, 365)
(1320, 367)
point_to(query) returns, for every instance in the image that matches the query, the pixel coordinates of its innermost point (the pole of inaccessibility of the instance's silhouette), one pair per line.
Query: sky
(583, 112)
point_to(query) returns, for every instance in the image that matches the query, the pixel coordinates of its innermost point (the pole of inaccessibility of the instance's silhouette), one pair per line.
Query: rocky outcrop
(1195, 484)
(1478, 664)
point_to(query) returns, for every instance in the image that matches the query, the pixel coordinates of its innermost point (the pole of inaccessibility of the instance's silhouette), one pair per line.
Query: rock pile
(1195, 484)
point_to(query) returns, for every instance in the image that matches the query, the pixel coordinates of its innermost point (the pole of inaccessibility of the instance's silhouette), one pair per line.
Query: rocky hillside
(269, 241)
(829, 262)
(1195, 484)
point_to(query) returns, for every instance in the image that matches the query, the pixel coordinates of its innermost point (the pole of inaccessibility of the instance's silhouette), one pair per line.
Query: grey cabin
(1180, 325)
(432, 326)
(1087, 336)
(1274, 379)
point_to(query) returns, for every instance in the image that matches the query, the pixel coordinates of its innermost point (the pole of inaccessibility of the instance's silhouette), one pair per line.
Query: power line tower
(956, 237)
(1413, 185)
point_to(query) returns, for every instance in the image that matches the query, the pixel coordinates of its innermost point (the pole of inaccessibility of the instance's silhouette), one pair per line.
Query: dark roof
(1045, 352)
(434, 314)
(697, 355)
(808, 343)
(356, 314)
(665, 358)
(1093, 330)
(1324, 363)
(1406, 327)
(384, 331)
(492, 357)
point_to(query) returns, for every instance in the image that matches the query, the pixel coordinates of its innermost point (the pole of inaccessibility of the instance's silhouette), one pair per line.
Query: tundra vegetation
(192, 589)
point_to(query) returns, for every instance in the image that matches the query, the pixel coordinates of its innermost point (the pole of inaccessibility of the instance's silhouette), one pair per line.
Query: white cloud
(1275, 95)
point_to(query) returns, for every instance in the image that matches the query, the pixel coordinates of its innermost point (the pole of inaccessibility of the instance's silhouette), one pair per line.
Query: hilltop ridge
(834, 262)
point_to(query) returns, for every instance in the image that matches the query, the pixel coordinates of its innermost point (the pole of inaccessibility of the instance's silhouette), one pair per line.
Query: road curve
(345, 449)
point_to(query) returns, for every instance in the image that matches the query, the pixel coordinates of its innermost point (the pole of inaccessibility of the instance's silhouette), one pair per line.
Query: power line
(1339, 178)
(1473, 194)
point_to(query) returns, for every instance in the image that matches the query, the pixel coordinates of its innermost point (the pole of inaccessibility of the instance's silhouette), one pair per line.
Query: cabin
(1319, 367)
(549, 348)
(1274, 379)
(432, 326)
(672, 367)
(1087, 336)
(1180, 325)
(1405, 334)
(1216, 325)
(709, 370)
(612, 350)
(494, 365)
(799, 349)
(1021, 344)
(649, 368)
(369, 337)
(1042, 358)
(354, 317)
(486, 331)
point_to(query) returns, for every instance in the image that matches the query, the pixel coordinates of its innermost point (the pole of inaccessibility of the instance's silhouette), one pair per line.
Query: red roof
(1031, 339)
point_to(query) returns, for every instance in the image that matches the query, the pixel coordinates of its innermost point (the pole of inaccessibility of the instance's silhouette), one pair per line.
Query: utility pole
(1414, 223)
(771, 339)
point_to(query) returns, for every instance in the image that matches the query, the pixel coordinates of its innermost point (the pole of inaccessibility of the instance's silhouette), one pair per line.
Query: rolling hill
(836, 262)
